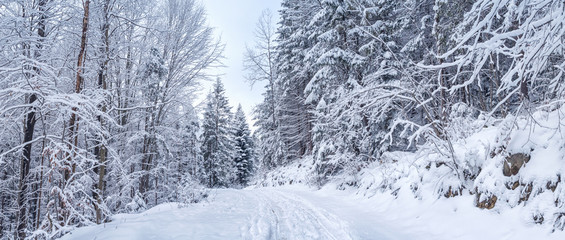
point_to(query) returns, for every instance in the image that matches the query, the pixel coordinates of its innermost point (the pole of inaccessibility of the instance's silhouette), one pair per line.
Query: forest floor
(296, 212)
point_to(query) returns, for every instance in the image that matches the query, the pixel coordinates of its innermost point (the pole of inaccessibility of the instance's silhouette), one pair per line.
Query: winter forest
(451, 105)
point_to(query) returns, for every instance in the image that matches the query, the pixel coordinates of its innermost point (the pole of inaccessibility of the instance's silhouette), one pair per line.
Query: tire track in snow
(287, 216)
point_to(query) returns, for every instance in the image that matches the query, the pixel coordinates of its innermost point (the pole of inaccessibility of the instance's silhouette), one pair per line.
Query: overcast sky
(235, 21)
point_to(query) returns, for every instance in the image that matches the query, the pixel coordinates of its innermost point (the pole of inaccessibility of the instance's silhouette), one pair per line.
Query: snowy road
(286, 216)
(231, 214)
(298, 213)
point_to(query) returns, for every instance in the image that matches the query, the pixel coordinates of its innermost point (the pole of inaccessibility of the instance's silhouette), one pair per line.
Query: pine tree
(294, 70)
(243, 147)
(217, 146)
(355, 47)
(190, 149)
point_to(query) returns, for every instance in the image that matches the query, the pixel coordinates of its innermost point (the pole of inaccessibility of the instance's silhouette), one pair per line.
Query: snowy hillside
(527, 194)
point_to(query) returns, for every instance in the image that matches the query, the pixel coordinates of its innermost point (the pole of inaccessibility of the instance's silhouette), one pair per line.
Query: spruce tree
(243, 147)
(295, 66)
(217, 147)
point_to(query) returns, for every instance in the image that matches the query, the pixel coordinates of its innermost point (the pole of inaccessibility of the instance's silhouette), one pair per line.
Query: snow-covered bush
(191, 191)
(136, 205)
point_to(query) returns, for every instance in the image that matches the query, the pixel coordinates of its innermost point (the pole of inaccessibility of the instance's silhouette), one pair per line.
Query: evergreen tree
(243, 147)
(295, 67)
(217, 147)
(355, 64)
(186, 166)
(190, 149)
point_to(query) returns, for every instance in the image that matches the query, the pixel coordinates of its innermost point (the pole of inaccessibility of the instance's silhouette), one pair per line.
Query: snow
(229, 214)
(297, 212)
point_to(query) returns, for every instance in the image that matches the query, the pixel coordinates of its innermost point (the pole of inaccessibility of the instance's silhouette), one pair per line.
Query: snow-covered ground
(294, 212)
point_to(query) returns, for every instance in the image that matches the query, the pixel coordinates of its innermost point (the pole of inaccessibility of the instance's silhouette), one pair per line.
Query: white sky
(235, 21)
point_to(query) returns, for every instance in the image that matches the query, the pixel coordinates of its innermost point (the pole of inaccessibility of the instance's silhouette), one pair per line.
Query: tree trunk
(28, 134)
(69, 167)
(40, 187)
(24, 170)
(145, 162)
(101, 149)
(3, 197)
(79, 82)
